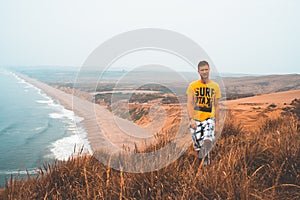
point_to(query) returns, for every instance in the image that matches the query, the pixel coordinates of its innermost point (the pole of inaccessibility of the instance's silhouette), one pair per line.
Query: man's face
(204, 72)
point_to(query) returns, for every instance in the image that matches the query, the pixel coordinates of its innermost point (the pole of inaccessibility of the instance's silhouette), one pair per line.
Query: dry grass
(261, 165)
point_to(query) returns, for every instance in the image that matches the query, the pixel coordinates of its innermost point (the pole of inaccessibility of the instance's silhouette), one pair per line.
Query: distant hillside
(261, 84)
(236, 85)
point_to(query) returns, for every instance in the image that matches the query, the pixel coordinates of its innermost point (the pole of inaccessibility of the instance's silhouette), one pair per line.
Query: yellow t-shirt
(203, 96)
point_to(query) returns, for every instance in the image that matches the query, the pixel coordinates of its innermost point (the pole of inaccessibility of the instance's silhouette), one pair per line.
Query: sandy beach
(104, 130)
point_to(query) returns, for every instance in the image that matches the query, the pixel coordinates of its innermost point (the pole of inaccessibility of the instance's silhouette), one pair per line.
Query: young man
(203, 111)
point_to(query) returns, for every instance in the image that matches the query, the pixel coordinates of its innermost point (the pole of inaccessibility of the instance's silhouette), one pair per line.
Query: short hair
(202, 63)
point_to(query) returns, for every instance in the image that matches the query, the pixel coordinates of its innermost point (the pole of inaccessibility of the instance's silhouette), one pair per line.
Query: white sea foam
(17, 171)
(39, 128)
(62, 113)
(56, 115)
(63, 148)
(44, 101)
(22, 81)
(28, 86)
(70, 146)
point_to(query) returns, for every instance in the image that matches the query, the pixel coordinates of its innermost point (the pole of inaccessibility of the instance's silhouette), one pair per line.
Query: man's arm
(216, 105)
(190, 108)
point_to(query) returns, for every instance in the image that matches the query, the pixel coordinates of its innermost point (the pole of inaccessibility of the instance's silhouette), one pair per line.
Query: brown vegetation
(260, 165)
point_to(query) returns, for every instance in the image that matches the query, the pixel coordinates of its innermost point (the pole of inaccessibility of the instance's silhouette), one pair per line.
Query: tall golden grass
(256, 165)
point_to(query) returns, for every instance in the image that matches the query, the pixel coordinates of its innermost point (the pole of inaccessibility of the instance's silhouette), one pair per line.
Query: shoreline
(78, 136)
(104, 130)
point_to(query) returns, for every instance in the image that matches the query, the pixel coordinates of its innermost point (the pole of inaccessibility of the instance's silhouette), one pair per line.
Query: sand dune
(277, 98)
(250, 110)
(105, 131)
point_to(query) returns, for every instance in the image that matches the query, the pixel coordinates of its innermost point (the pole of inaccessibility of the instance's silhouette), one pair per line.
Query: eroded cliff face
(157, 118)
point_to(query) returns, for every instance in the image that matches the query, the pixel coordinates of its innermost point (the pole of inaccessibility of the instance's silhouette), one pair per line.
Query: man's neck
(204, 81)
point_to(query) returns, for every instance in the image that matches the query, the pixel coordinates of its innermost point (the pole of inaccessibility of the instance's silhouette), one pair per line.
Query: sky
(249, 36)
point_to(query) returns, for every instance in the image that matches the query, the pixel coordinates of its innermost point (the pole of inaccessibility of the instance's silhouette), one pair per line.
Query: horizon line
(126, 70)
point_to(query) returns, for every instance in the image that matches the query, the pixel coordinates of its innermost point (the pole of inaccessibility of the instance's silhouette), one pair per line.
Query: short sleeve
(218, 92)
(189, 90)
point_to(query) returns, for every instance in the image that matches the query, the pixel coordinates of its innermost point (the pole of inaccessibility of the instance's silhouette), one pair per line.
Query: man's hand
(193, 124)
(217, 130)
(217, 127)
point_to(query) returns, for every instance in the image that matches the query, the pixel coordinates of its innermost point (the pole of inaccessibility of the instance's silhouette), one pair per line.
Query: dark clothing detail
(203, 109)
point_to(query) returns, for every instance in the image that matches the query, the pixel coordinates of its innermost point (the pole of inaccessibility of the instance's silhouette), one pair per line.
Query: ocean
(34, 129)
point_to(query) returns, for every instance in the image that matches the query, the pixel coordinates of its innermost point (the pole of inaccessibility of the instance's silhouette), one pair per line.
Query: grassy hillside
(260, 165)
(237, 87)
